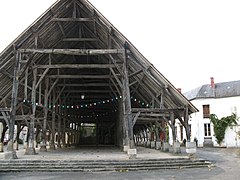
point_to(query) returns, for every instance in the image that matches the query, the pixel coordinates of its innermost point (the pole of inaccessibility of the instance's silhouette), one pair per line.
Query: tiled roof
(221, 90)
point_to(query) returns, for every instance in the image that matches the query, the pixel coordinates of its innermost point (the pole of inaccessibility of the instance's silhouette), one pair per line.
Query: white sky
(188, 41)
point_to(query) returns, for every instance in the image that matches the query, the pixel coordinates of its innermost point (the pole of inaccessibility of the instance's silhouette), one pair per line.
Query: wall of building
(221, 107)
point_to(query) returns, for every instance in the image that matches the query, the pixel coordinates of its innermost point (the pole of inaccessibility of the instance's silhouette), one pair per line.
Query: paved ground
(226, 161)
(94, 153)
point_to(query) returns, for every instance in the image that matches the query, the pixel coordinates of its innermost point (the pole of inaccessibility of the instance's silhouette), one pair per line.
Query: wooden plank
(74, 66)
(77, 52)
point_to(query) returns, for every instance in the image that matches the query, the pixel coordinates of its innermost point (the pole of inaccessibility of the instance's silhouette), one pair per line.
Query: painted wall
(221, 107)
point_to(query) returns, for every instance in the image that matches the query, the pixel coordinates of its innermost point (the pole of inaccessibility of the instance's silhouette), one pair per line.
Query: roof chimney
(212, 82)
(179, 90)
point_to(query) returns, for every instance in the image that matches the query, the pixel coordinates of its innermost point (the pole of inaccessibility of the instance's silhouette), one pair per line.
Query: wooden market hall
(71, 78)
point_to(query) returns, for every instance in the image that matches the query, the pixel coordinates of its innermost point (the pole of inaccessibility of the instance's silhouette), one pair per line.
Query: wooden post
(26, 84)
(43, 145)
(173, 126)
(128, 117)
(30, 150)
(52, 146)
(186, 125)
(59, 124)
(14, 103)
(1, 131)
(126, 107)
(64, 125)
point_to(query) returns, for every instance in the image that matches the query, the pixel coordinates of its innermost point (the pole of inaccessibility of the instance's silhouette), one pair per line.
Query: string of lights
(87, 105)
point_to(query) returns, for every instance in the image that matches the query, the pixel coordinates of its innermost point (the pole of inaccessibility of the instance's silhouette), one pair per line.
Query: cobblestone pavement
(226, 166)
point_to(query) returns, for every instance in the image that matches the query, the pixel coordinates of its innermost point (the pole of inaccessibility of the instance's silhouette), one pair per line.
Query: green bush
(220, 125)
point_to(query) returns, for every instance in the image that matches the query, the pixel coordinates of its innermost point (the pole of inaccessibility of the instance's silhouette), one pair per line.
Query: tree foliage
(220, 125)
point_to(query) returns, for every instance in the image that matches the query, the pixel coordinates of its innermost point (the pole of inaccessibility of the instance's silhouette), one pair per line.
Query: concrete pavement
(94, 153)
(227, 165)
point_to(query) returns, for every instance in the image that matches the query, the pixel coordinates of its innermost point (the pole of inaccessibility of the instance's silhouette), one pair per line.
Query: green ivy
(220, 125)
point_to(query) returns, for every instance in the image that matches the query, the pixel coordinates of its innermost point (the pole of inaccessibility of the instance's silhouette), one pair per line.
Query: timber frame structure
(73, 67)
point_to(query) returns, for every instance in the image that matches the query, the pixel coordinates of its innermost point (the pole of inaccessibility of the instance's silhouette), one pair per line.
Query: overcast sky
(188, 41)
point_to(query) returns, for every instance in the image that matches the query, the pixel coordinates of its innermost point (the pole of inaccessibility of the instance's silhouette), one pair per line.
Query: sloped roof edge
(155, 73)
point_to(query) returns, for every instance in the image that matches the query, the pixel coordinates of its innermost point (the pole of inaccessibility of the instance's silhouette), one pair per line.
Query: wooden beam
(115, 76)
(87, 91)
(136, 117)
(42, 76)
(116, 87)
(147, 120)
(52, 86)
(155, 114)
(74, 19)
(80, 76)
(75, 66)
(77, 52)
(79, 39)
(156, 110)
(135, 73)
(87, 85)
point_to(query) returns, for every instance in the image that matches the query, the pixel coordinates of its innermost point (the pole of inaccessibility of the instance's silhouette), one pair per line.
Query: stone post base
(132, 153)
(30, 151)
(153, 144)
(165, 147)
(10, 155)
(125, 148)
(158, 145)
(148, 144)
(43, 148)
(191, 148)
(1, 147)
(52, 147)
(176, 148)
(10, 146)
(25, 145)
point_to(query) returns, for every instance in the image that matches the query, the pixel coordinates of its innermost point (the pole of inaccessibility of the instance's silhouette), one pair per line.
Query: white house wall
(221, 107)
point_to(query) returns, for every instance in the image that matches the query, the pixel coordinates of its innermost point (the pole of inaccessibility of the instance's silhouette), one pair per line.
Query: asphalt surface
(226, 167)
